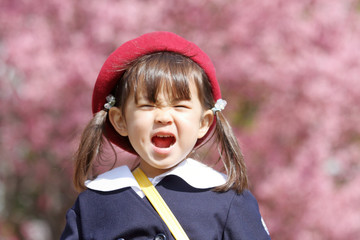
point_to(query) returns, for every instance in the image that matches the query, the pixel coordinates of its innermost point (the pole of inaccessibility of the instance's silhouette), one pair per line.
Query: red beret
(133, 49)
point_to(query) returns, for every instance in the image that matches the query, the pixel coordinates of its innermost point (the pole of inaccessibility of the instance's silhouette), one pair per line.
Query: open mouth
(163, 141)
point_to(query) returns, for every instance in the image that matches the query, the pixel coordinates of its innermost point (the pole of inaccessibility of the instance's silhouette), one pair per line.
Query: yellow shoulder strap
(160, 205)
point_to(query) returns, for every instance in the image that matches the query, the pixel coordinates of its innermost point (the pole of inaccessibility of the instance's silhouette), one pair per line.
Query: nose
(163, 116)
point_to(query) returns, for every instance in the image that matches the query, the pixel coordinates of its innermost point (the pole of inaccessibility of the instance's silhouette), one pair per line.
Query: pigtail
(231, 156)
(90, 144)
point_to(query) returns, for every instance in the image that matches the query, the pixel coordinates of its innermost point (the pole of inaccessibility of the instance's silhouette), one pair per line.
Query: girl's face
(162, 133)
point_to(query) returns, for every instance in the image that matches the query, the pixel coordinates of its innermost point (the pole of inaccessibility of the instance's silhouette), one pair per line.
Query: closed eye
(146, 106)
(181, 106)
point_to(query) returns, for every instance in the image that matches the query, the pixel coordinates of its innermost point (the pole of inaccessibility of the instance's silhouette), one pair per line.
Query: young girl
(157, 97)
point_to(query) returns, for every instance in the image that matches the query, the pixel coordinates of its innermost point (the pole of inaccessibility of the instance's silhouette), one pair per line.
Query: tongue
(162, 142)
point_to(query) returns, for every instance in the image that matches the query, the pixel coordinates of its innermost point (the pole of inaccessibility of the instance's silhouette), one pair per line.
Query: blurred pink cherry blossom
(288, 69)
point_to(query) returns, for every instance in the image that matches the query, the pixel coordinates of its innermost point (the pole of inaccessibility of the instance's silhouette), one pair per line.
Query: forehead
(168, 73)
(166, 91)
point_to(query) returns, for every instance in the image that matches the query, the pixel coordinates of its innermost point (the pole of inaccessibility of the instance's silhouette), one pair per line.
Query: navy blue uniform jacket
(203, 214)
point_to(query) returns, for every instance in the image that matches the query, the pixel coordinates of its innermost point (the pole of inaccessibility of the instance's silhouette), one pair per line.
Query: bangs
(166, 72)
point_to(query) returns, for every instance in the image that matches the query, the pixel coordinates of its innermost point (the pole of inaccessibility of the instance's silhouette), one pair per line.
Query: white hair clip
(110, 102)
(219, 105)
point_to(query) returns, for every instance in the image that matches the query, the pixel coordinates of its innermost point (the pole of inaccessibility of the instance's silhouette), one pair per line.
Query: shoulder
(244, 207)
(244, 218)
(93, 200)
(244, 200)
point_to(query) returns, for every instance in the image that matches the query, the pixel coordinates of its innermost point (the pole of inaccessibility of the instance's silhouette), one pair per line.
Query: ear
(205, 123)
(118, 121)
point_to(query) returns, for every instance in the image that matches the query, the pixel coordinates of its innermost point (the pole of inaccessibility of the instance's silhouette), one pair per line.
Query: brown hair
(149, 75)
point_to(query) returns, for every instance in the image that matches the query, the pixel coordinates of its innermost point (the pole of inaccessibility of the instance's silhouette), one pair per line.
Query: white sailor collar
(191, 171)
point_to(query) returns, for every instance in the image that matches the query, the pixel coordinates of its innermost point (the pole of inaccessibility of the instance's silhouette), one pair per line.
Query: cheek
(134, 117)
(138, 124)
(189, 123)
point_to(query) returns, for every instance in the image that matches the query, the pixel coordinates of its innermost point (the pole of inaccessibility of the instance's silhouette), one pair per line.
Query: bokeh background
(289, 69)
